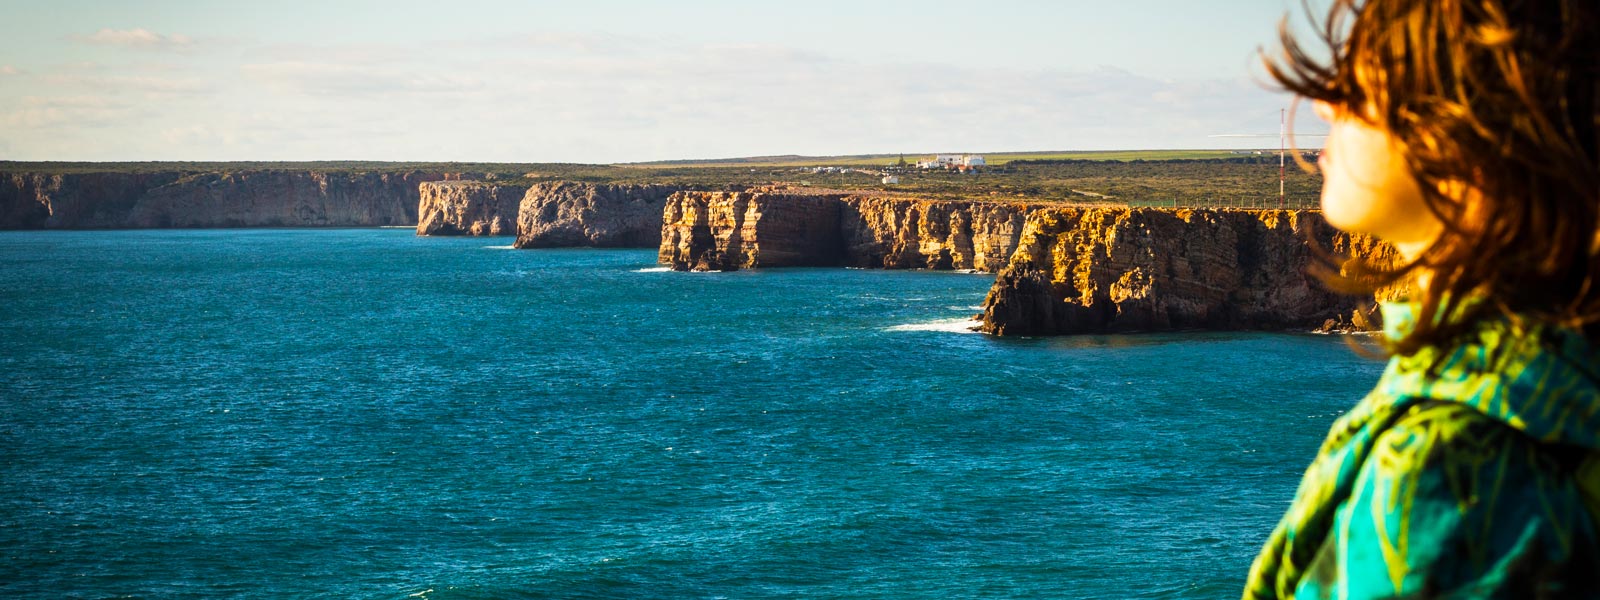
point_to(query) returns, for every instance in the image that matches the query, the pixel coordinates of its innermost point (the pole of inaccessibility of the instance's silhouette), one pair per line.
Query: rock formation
(560, 214)
(1094, 270)
(726, 231)
(248, 198)
(771, 227)
(468, 208)
(897, 232)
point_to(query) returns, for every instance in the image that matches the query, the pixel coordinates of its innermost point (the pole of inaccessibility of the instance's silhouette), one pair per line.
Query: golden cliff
(777, 227)
(468, 208)
(248, 198)
(1095, 270)
(1061, 270)
(563, 213)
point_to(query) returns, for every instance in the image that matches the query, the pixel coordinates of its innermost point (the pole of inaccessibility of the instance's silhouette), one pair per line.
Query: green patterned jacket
(1479, 481)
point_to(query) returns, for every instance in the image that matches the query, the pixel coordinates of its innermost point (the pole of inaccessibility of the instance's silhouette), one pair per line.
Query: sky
(611, 81)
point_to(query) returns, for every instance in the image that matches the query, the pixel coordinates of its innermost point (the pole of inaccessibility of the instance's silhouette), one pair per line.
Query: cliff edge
(1103, 270)
(468, 208)
(781, 227)
(558, 214)
(246, 198)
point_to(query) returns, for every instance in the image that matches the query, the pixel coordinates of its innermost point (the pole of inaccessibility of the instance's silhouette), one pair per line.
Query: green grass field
(1135, 178)
(884, 160)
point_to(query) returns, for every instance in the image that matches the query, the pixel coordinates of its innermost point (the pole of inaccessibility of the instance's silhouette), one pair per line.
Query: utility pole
(1283, 150)
(1283, 145)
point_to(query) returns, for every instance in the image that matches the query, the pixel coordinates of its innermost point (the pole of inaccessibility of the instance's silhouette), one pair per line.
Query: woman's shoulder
(1468, 447)
(1451, 499)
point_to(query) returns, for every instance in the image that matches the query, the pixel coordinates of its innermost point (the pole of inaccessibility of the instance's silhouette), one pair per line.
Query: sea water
(369, 414)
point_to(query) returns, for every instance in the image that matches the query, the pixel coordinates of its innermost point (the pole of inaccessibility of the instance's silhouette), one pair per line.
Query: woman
(1464, 133)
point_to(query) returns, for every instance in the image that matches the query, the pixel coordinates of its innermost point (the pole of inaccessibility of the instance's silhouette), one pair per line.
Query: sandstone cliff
(468, 208)
(898, 232)
(771, 227)
(250, 198)
(1091, 270)
(560, 214)
(726, 231)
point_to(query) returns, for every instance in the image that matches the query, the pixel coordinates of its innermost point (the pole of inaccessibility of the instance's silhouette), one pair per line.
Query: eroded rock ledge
(468, 208)
(778, 227)
(558, 214)
(1101, 270)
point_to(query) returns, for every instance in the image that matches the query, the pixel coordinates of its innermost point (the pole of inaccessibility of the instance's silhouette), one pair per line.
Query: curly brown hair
(1494, 102)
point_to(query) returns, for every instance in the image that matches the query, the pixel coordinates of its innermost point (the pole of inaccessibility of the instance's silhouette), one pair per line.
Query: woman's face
(1367, 187)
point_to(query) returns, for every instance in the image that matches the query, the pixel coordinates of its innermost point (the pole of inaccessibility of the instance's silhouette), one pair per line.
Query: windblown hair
(1494, 104)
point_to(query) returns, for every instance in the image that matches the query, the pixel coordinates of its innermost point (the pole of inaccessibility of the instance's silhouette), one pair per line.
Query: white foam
(944, 325)
(501, 247)
(655, 270)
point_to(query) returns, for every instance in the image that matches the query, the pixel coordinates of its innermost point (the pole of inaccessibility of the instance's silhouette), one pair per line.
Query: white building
(890, 180)
(947, 161)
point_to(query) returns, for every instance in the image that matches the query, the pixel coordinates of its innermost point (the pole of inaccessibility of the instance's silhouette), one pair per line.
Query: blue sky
(614, 81)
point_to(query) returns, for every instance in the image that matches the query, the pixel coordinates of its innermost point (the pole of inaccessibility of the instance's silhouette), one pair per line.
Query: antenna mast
(1283, 145)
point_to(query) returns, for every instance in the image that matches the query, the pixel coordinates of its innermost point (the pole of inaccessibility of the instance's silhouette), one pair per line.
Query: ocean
(363, 413)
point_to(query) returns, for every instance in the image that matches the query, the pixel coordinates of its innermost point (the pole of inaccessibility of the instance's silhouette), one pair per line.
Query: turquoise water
(364, 413)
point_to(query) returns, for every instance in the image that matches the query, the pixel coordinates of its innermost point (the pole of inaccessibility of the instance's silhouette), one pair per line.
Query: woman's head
(1465, 132)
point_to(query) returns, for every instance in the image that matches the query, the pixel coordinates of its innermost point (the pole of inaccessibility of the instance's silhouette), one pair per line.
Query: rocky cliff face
(726, 231)
(560, 214)
(1092, 270)
(779, 227)
(901, 233)
(265, 198)
(468, 208)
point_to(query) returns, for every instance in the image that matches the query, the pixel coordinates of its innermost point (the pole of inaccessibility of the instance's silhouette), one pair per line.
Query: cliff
(775, 227)
(1094, 270)
(726, 231)
(249, 198)
(558, 214)
(468, 208)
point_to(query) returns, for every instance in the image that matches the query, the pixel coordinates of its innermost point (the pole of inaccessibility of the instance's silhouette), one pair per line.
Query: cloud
(605, 98)
(146, 84)
(9, 70)
(344, 79)
(139, 38)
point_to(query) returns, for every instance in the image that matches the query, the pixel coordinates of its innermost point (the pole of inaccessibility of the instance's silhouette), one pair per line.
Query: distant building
(952, 161)
(890, 180)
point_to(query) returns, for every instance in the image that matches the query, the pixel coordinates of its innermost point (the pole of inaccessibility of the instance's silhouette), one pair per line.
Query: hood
(1536, 378)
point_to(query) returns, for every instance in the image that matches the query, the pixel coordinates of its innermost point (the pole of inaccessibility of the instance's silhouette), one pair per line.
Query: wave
(944, 325)
(654, 270)
(501, 247)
